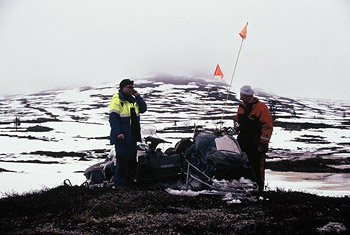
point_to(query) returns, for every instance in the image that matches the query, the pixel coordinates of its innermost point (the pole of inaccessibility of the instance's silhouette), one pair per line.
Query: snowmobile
(209, 162)
(152, 164)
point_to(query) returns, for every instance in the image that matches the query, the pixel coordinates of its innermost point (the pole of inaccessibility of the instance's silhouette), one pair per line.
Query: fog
(293, 48)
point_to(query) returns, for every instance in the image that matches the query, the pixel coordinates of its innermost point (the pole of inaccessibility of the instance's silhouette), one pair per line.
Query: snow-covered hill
(67, 126)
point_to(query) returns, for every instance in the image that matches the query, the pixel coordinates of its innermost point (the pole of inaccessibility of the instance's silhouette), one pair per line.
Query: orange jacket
(260, 112)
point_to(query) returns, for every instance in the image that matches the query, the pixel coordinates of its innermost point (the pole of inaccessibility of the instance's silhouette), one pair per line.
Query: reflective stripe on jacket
(260, 115)
(120, 116)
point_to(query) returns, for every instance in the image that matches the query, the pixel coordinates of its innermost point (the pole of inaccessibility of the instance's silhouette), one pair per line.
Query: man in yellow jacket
(255, 126)
(124, 119)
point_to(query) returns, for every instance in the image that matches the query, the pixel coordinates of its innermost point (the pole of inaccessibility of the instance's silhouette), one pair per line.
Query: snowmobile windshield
(148, 130)
(228, 144)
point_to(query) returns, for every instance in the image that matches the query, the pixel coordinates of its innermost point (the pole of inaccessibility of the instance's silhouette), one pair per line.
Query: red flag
(243, 32)
(218, 72)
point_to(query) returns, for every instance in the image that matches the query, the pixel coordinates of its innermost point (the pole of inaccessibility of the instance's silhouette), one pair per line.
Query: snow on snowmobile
(211, 161)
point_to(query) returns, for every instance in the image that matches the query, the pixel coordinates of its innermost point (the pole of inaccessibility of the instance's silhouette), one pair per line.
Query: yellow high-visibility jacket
(120, 116)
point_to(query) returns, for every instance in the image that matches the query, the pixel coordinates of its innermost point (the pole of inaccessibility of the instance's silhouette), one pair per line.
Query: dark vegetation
(58, 154)
(29, 137)
(38, 128)
(4, 170)
(30, 161)
(78, 210)
(305, 125)
(315, 164)
(38, 120)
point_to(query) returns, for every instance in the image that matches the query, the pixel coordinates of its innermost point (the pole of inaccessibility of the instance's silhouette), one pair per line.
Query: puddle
(323, 184)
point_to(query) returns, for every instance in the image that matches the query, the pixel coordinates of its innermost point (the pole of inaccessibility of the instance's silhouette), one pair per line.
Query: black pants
(257, 162)
(256, 158)
(125, 163)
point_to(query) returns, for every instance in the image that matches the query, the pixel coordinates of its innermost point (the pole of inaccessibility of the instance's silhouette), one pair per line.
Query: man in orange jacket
(254, 123)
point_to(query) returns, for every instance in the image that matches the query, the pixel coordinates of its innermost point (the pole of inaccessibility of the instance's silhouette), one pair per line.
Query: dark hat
(125, 82)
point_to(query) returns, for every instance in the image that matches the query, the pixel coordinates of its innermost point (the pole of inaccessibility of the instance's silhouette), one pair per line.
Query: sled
(217, 163)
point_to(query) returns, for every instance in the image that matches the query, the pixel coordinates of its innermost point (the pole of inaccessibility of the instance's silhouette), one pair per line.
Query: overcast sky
(297, 48)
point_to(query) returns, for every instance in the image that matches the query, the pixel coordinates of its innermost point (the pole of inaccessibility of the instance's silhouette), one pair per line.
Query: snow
(232, 191)
(188, 193)
(30, 177)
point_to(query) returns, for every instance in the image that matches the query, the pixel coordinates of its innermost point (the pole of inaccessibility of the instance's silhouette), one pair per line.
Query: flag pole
(195, 127)
(233, 74)
(217, 72)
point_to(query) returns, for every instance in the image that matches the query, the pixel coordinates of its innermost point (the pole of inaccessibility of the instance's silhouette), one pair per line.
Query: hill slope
(77, 210)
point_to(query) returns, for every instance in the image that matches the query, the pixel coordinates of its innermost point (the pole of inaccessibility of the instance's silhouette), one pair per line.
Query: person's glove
(236, 126)
(120, 136)
(263, 147)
